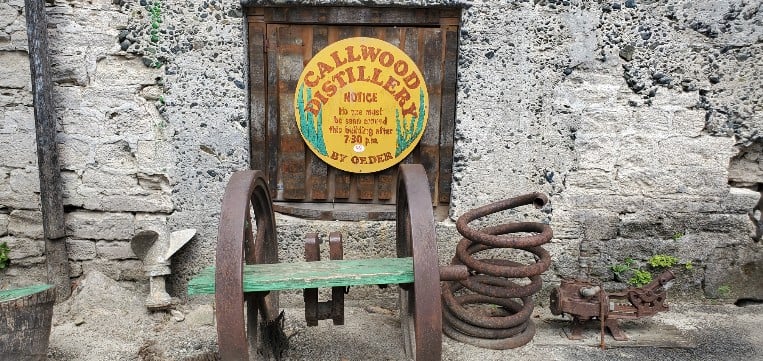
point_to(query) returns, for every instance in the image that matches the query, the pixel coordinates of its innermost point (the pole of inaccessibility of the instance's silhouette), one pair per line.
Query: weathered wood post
(25, 322)
(56, 258)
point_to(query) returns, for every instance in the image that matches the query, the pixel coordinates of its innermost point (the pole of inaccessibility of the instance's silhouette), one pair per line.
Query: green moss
(4, 255)
(724, 291)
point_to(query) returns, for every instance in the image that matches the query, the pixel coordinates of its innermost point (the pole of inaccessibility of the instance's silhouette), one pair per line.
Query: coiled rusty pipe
(491, 280)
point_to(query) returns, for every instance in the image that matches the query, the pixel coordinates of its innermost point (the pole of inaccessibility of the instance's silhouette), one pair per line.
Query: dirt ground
(105, 321)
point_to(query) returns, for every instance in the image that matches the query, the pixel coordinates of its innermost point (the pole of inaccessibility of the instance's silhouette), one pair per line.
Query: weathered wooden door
(283, 40)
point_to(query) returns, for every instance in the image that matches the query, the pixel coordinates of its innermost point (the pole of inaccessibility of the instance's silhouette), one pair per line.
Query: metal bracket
(334, 308)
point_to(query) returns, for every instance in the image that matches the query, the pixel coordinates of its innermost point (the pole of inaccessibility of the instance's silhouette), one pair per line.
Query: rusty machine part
(247, 235)
(585, 300)
(332, 309)
(490, 281)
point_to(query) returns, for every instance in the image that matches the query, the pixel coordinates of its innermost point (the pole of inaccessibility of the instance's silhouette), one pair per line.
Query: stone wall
(640, 120)
(627, 113)
(113, 143)
(20, 218)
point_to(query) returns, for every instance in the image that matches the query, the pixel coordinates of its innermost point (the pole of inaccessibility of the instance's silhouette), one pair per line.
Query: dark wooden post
(56, 257)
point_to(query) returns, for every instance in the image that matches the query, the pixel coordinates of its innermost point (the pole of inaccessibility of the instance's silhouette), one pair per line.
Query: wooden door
(283, 40)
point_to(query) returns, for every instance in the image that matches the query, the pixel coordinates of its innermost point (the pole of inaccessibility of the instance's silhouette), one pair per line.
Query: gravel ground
(104, 321)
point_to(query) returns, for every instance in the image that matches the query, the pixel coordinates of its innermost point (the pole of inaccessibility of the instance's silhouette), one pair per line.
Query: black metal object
(491, 282)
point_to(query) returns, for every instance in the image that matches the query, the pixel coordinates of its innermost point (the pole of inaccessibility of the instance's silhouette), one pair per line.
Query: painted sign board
(361, 105)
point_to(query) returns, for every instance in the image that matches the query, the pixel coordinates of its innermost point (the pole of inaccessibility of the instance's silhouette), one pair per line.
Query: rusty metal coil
(492, 281)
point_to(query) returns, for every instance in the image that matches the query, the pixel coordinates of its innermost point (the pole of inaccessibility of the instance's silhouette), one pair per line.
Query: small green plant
(661, 261)
(677, 235)
(4, 255)
(724, 291)
(640, 278)
(156, 18)
(624, 267)
(620, 268)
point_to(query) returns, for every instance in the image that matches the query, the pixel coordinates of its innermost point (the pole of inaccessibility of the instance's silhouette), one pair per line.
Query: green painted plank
(300, 275)
(10, 295)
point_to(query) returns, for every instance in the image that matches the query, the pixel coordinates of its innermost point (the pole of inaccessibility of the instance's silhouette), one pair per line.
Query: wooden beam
(317, 274)
(56, 257)
(350, 15)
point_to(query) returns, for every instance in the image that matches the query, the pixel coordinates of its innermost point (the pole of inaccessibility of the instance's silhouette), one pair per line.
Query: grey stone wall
(112, 142)
(20, 219)
(200, 48)
(627, 113)
(640, 119)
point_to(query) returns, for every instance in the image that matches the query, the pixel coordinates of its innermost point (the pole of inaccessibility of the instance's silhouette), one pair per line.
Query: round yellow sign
(361, 105)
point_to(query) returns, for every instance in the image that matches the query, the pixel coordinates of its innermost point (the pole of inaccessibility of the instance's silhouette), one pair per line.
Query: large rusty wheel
(420, 304)
(241, 239)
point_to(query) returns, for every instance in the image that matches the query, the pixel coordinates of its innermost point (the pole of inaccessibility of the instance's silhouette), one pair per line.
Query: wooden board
(318, 274)
(291, 147)
(258, 127)
(448, 113)
(318, 171)
(431, 62)
(380, 16)
(51, 194)
(9, 295)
